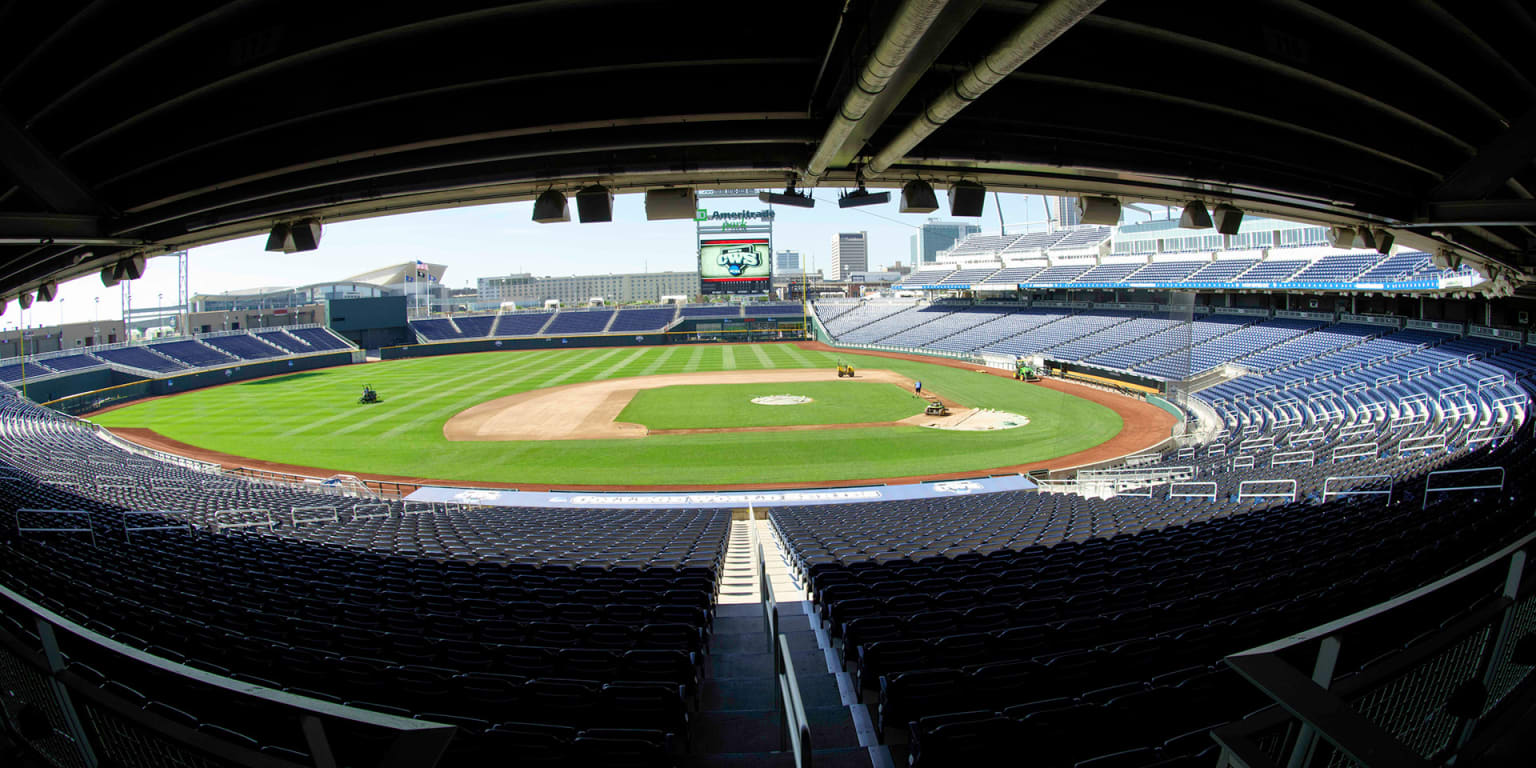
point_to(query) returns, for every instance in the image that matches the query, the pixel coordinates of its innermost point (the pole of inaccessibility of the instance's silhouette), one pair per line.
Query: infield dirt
(589, 410)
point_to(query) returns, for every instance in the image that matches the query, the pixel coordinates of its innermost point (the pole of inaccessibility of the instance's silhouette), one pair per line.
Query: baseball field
(651, 416)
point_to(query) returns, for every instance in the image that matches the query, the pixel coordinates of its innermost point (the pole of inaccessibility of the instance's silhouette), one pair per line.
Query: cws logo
(738, 260)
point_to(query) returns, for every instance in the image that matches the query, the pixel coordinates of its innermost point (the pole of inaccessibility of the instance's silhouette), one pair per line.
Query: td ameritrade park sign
(732, 219)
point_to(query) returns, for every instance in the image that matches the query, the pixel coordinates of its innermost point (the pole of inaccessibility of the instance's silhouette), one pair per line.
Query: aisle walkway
(738, 721)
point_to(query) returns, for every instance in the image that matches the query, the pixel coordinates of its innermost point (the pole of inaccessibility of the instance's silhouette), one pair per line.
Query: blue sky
(486, 240)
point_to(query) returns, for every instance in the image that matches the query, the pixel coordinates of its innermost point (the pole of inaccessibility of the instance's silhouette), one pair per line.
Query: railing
(1425, 704)
(797, 728)
(80, 723)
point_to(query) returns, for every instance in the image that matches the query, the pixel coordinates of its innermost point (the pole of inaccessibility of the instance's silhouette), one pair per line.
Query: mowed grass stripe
(619, 366)
(405, 438)
(728, 357)
(476, 387)
(762, 357)
(659, 362)
(424, 381)
(794, 354)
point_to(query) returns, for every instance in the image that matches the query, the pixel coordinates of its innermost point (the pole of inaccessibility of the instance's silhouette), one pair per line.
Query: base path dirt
(1144, 425)
(590, 410)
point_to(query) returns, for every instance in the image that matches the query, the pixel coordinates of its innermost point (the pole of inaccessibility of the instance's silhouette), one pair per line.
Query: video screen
(735, 265)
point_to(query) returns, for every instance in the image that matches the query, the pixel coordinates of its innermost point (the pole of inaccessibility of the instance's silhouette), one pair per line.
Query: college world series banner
(735, 265)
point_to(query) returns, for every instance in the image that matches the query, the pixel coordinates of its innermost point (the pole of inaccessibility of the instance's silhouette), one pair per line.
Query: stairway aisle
(738, 722)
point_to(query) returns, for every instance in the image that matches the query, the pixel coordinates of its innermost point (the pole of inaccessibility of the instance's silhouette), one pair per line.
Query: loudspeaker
(131, 268)
(305, 234)
(25, 300)
(967, 198)
(1104, 211)
(1195, 216)
(667, 204)
(551, 207)
(917, 197)
(280, 238)
(109, 276)
(1383, 241)
(1363, 238)
(1228, 219)
(47, 291)
(3, 302)
(1341, 237)
(594, 204)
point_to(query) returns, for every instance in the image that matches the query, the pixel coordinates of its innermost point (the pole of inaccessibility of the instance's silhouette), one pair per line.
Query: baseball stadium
(1225, 460)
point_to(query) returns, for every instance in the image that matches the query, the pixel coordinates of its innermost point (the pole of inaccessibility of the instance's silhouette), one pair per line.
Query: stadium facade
(527, 290)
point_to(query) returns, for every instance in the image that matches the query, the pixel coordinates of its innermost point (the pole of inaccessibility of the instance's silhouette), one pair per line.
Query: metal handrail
(417, 743)
(797, 728)
(1320, 709)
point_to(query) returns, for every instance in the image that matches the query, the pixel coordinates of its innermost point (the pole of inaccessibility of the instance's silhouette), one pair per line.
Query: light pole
(96, 323)
(159, 312)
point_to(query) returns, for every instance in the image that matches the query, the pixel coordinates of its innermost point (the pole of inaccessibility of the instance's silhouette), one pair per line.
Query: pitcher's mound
(980, 421)
(781, 400)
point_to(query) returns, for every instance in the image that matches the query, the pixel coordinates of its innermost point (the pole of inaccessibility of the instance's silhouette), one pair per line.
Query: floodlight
(1228, 219)
(861, 197)
(1195, 216)
(551, 207)
(788, 197)
(1098, 210)
(594, 204)
(917, 197)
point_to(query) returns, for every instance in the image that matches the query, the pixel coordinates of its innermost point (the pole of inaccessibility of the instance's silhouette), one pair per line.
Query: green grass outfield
(730, 405)
(313, 419)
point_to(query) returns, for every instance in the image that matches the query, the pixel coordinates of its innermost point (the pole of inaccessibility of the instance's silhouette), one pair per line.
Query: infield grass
(730, 405)
(313, 419)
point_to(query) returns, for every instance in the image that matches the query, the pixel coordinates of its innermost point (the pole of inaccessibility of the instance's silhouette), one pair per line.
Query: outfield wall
(93, 390)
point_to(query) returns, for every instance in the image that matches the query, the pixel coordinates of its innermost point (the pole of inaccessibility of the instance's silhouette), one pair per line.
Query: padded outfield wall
(93, 390)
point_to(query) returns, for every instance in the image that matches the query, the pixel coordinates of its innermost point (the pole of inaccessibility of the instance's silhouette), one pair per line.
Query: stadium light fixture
(551, 207)
(861, 197)
(594, 204)
(788, 197)
(1195, 216)
(917, 197)
(1229, 219)
(1104, 211)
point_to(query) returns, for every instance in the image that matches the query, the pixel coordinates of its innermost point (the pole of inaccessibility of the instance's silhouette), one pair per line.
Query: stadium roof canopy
(148, 127)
